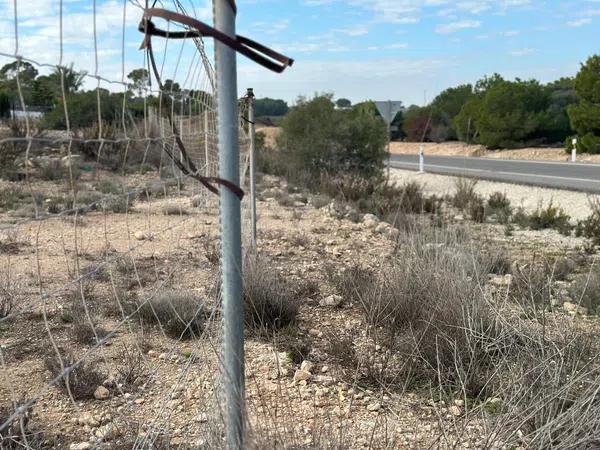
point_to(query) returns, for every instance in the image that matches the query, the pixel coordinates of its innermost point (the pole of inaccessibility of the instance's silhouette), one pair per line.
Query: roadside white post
(574, 151)
(421, 160)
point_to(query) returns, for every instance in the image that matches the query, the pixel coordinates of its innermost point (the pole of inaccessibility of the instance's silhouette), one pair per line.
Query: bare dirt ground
(295, 396)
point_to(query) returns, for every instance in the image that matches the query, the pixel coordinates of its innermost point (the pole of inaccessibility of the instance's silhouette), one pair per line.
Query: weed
(590, 227)
(130, 371)
(465, 193)
(550, 217)
(108, 187)
(585, 291)
(173, 209)
(81, 380)
(181, 314)
(270, 300)
(320, 200)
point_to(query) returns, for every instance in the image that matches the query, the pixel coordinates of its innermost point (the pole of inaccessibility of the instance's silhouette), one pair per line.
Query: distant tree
(317, 138)
(585, 116)
(171, 86)
(343, 103)
(512, 113)
(13, 84)
(270, 107)
(44, 91)
(466, 123)
(68, 77)
(447, 105)
(557, 126)
(83, 110)
(139, 80)
(4, 105)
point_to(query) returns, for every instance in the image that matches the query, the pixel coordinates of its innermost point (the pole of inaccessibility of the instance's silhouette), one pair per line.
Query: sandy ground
(576, 204)
(462, 149)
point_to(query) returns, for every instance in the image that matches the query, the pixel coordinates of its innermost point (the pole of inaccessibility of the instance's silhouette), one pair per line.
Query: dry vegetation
(386, 320)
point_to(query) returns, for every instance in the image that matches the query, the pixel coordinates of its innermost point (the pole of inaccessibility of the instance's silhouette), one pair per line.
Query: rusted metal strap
(258, 53)
(189, 168)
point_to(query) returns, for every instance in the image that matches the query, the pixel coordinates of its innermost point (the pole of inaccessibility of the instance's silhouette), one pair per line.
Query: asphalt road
(560, 175)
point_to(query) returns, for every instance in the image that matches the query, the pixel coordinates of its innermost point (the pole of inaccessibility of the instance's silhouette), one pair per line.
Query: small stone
(332, 301)
(455, 410)
(374, 407)
(324, 369)
(302, 375)
(80, 446)
(101, 393)
(152, 353)
(574, 309)
(140, 235)
(458, 402)
(307, 366)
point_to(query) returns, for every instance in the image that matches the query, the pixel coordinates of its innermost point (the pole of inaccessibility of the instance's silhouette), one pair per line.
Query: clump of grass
(320, 200)
(81, 315)
(464, 194)
(130, 369)
(21, 433)
(81, 381)
(270, 300)
(426, 306)
(173, 209)
(118, 204)
(532, 285)
(10, 292)
(181, 314)
(212, 251)
(108, 187)
(496, 261)
(498, 204)
(590, 227)
(476, 209)
(585, 291)
(550, 217)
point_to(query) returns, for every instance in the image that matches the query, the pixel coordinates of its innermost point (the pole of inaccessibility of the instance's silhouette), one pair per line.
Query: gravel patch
(576, 204)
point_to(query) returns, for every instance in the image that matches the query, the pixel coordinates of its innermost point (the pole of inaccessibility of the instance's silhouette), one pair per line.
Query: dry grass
(181, 314)
(80, 382)
(271, 302)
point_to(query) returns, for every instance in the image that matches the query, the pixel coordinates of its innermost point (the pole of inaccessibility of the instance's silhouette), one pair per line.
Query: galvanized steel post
(231, 242)
(252, 131)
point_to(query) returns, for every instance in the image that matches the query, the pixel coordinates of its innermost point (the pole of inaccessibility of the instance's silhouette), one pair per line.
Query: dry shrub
(585, 291)
(465, 193)
(548, 390)
(590, 227)
(181, 314)
(271, 301)
(81, 314)
(212, 251)
(130, 369)
(173, 209)
(427, 308)
(10, 292)
(496, 261)
(550, 217)
(21, 433)
(81, 381)
(532, 285)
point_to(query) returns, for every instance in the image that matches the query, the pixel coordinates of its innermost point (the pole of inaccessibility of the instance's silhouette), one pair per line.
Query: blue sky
(405, 50)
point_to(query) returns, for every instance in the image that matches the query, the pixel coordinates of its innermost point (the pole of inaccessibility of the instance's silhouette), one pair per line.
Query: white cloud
(522, 52)
(453, 27)
(579, 22)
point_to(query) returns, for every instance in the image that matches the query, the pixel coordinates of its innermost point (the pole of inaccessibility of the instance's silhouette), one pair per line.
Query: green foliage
(18, 74)
(512, 113)
(317, 138)
(270, 107)
(139, 80)
(5, 105)
(83, 110)
(448, 105)
(343, 103)
(585, 116)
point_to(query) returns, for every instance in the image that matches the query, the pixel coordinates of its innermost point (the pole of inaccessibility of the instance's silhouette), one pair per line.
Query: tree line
(500, 113)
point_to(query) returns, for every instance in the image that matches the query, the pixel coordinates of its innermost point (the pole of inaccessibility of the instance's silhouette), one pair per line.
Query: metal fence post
(231, 242)
(252, 131)
(206, 164)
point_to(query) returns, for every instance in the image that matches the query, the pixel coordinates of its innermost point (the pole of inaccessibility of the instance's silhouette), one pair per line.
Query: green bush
(316, 138)
(585, 116)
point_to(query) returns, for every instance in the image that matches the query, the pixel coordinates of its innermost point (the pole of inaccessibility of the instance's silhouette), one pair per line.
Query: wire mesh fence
(109, 282)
